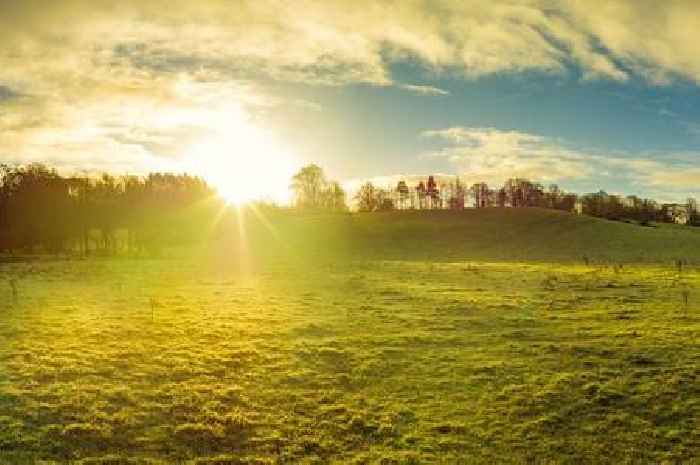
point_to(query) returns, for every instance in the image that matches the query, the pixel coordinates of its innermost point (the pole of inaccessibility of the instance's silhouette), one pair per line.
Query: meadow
(519, 336)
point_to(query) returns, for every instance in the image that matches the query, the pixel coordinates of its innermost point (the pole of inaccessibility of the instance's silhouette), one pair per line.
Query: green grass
(492, 234)
(393, 353)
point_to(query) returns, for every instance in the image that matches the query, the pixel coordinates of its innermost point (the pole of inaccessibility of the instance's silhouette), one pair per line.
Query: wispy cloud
(136, 131)
(692, 128)
(493, 155)
(92, 61)
(336, 42)
(424, 90)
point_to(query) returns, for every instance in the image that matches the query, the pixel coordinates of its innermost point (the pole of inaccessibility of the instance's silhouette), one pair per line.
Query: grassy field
(387, 339)
(492, 234)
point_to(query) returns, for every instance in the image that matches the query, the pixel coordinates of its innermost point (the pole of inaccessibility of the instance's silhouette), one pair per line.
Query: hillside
(486, 234)
(356, 360)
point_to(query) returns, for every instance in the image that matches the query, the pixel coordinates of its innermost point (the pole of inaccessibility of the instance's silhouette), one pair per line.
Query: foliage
(517, 193)
(314, 192)
(367, 198)
(43, 211)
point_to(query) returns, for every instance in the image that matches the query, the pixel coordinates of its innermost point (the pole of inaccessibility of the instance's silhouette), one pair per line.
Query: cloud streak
(424, 90)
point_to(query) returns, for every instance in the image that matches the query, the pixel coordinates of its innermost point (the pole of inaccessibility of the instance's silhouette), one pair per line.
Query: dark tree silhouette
(43, 211)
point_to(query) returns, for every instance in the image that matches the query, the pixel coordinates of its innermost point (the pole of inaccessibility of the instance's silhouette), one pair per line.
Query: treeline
(455, 195)
(41, 210)
(517, 193)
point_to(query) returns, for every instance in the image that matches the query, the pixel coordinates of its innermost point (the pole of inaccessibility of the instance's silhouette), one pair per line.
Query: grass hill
(427, 338)
(527, 234)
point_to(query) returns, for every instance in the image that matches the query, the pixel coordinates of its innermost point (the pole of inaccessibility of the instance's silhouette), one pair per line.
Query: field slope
(363, 339)
(525, 234)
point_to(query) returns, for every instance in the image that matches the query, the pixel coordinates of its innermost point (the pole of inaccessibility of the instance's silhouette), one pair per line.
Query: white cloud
(74, 61)
(336, 42)
(424, 90)
(493, 155)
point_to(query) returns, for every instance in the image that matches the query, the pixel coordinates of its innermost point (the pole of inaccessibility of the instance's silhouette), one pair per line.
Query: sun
(241, 160)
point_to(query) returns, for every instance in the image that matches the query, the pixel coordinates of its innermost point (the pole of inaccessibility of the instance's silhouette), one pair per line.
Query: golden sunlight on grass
(374, 361)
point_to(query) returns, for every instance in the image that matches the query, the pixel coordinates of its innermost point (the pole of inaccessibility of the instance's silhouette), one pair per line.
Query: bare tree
(367, 197)
(334, 197)
(403, 194)
(308, 186)
(432, 193)
(481, 194)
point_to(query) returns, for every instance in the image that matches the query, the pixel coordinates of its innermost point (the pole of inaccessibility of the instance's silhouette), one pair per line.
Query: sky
(585, 94)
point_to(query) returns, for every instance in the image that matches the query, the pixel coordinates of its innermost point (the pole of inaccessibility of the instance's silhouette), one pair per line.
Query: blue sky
(589, 95)
(380, 130)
